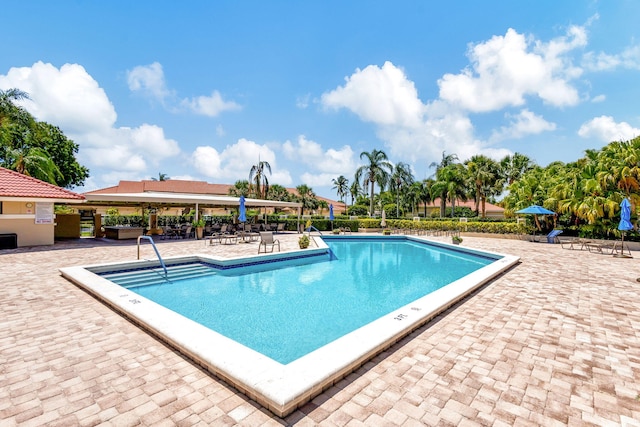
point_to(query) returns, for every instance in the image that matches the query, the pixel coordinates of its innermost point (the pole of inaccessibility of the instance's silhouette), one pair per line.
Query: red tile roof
(187, 187)
(14, 184)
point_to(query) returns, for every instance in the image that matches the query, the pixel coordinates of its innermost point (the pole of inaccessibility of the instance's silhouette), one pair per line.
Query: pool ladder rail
(309, 233)
(164, 267)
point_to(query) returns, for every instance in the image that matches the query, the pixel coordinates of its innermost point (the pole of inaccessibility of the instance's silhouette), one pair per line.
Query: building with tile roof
(27, 215)
(189, 187)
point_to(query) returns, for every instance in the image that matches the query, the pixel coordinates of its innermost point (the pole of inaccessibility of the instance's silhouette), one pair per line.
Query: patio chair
(280, 227)
(266, 239)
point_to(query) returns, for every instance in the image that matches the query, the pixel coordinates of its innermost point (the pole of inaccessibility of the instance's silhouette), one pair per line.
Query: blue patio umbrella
(331, 217)
(625, 216)
(243, 212)
(625, 222)
(536, 210)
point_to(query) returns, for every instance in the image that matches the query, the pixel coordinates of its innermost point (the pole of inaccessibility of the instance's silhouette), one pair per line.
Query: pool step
(129, 279)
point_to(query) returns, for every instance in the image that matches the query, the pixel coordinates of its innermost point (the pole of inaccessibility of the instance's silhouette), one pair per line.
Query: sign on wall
(44, 213)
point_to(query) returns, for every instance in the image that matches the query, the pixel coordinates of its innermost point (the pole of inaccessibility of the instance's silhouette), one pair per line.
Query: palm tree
(34, 162)
(513, 167)
(484, 173)
(161, 177)
(450, 184)
(10, 111)
(401, 177)
(341, 185)
(377, 170)
(240, 188)
(447, 159)
(259, 179)
(307, 197)
(354, 191)
(278, 192)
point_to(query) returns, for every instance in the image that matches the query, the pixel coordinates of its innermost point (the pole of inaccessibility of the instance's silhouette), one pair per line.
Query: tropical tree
(278, 192)
(440, 188)
(258, 178)
(25, 142)
(376, 170)
(354, 191)
(34, 162)
(450, 184)
(484, 173)
(240, 188)
(341, 185)
(515, 166)
(161, 177)
(307, 197)
(421, 193)
(401, 177)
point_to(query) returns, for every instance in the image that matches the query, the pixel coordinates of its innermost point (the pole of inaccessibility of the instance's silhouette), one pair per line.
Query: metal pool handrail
(155, 249)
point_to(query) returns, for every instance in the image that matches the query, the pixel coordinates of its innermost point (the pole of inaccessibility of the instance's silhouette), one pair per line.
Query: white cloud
(210, 106)
(606, 129)
(302, 102)
(235, 161)
(310, 153)
(522, 124)
(149, 80)
(71, 99)
(629, 58)
(380, 95)
(599, 98)
(508, 68)
(67, 97)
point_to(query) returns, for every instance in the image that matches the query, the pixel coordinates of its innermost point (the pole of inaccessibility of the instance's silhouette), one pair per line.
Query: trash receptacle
(8, 240)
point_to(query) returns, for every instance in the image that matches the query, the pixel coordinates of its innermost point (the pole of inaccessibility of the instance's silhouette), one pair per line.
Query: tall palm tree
(307, 197)
(377, 169)
(447, 159)
(484, 173)
(161, 177)
(401, 177)
(354, 191)
(341, 185)
(258, 178)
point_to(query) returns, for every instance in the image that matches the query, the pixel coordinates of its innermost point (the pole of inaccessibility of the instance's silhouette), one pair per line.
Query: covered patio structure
(146, 200)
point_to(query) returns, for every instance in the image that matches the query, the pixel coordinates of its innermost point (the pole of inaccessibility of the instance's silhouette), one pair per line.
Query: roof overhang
(178, 199)
(40, 199)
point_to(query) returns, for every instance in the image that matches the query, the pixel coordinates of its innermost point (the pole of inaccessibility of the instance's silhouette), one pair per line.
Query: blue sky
(203, 89)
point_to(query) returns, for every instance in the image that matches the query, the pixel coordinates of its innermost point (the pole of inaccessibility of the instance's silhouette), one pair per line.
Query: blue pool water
(285, 310)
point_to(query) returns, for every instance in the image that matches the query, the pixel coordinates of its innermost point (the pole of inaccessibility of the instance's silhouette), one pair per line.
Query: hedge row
(324, 224)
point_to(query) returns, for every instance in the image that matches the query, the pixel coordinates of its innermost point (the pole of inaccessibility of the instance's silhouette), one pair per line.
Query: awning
(179, 199)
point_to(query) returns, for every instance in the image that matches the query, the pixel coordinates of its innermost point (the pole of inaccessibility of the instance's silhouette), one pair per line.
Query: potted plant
(386, 232)
(456, 240)
(303, 241)
(199, 226)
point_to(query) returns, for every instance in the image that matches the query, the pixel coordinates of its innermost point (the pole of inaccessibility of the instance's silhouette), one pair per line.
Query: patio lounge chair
(266, 239)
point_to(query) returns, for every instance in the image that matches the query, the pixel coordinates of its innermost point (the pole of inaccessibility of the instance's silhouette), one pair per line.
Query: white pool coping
(280, 388)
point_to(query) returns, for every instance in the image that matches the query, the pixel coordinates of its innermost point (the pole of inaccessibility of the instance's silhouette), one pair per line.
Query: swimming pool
(283, 386)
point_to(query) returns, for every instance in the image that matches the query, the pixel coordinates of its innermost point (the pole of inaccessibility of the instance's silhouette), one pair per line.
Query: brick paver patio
(555, 341)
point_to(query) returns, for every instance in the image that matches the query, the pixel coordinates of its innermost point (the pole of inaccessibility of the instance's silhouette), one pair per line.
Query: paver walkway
(555, 341)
